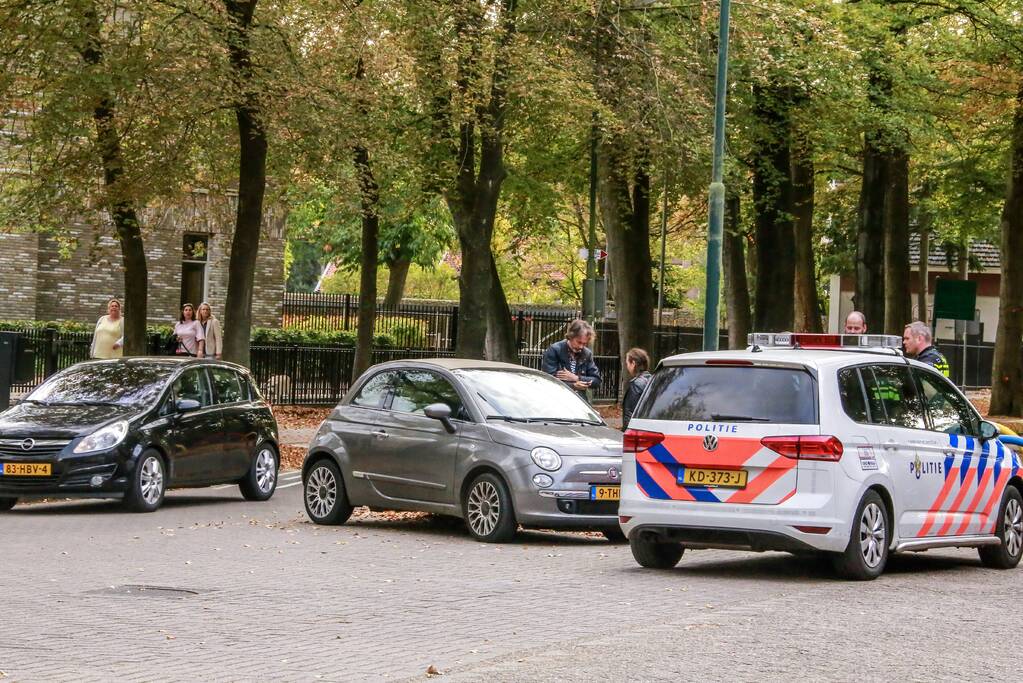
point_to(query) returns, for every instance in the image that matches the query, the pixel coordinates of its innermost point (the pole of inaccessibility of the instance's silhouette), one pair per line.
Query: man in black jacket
(916, 340)
(571, 361)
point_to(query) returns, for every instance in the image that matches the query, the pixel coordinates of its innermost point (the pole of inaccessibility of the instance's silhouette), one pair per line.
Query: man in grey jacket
(570, 359)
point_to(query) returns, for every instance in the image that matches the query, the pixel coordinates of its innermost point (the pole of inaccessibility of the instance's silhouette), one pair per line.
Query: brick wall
(18, 265)
(37, 282)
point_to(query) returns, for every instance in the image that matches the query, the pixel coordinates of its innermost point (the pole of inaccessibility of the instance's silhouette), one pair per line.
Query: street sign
(955, 299)
(584, 254)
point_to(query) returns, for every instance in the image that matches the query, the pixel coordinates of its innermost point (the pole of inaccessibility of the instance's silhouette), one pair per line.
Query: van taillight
(639, 440)
(806, 447)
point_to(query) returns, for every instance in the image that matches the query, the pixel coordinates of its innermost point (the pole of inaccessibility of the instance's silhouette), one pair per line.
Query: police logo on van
(710, 443)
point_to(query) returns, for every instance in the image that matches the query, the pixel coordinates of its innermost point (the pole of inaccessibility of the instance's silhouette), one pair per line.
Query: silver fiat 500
(496, 444)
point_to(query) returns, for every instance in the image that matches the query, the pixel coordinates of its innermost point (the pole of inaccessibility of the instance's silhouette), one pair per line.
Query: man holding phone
(570, 359)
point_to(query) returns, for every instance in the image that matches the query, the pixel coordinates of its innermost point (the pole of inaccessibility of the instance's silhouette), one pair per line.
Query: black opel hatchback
(134, 427)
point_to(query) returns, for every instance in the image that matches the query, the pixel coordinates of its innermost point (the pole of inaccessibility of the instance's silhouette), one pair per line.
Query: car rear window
(731, 394)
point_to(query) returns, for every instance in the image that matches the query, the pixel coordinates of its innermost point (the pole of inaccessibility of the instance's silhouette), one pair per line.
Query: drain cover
(147, 591)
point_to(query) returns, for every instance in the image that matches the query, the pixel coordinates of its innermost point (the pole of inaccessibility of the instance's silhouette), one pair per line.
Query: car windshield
(526, 396)
(127, 384)
(730, 394)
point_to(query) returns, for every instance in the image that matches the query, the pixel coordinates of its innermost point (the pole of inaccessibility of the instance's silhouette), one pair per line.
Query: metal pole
(591, 257)
(717, 191)
(664, 233)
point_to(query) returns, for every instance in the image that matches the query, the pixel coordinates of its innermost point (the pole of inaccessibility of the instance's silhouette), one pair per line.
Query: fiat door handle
(380, 434)
(890, 445)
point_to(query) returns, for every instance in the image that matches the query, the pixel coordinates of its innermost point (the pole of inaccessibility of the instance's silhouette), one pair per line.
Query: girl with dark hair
(189, 333)
(637, 362)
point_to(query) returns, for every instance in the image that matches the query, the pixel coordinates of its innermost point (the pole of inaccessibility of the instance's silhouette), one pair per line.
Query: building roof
(984, 252)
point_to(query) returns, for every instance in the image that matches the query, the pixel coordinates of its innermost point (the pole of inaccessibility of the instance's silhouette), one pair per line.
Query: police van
(810, 442)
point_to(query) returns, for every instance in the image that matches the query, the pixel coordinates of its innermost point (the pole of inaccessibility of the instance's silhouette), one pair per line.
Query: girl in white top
(191, 338)
(211, 328)
(108, 337)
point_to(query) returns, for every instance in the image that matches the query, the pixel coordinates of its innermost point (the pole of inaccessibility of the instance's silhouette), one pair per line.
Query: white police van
(832, 443)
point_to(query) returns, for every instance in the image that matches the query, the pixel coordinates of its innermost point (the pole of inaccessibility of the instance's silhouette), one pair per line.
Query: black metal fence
(309, 374)
(320, 375)
(970, 366)
(434, 325)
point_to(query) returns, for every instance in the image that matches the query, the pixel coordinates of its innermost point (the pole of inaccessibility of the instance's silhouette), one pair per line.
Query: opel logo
(28, 444)
(612, 472)
(710, 442)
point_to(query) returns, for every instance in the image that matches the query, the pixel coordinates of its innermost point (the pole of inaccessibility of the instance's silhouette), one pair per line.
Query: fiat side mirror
(442, 412)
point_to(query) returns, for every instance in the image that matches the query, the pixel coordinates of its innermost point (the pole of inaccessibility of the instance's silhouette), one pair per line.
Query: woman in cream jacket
(211, 326)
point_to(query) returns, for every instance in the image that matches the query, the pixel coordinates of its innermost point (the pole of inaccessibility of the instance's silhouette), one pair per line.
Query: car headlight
(546, 458)
(103, 439)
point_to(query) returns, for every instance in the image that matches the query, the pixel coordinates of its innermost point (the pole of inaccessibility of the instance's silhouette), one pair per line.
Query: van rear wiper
(717, 417)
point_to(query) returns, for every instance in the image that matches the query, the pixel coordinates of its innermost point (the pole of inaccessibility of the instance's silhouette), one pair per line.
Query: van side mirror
(442, 412)
(988, 430)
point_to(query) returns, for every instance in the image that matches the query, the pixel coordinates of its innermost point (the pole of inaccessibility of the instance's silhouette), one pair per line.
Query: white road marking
(288, 486)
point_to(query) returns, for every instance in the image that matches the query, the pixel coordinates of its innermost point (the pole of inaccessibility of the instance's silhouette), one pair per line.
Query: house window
(195, 252)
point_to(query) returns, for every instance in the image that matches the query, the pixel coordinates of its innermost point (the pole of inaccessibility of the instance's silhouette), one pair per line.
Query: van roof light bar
(805, 340)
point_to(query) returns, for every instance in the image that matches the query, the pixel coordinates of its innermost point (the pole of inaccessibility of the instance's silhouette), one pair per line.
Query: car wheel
(867, 553)
(325, 499)
(1006, 554)
(7, 503)
(654, 554)
(261, 480)
(148, 483)
(487, 509)
(614, 534)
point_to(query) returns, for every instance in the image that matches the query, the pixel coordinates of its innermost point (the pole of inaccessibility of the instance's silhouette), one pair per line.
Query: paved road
(215, 588)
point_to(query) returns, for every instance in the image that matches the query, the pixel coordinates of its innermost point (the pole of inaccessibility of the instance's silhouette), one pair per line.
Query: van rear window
(731, 394)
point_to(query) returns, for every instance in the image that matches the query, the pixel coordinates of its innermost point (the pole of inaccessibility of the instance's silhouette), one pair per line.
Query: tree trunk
(502, 342)
(898, 308)
(397, 274)
(870, 237)
(808, 310)
(963, 264)
(252, 141)
(925, 221)
(772, 196)
(369, 195)
(473, 197)
(625, 213)
(122, 211)
(1007, 375)
(736, 284)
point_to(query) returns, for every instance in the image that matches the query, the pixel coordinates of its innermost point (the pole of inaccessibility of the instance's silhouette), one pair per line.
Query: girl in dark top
(637, 362)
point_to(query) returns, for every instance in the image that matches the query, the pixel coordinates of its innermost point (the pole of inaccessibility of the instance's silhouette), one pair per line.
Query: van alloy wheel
(872, 535)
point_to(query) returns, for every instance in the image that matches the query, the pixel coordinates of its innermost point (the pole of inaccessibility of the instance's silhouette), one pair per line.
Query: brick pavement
(268, 596)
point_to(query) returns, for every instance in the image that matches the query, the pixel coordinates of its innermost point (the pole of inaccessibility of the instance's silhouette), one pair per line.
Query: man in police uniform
(916, 340)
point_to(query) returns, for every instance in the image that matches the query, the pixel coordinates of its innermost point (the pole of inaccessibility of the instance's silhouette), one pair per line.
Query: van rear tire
(654, 554)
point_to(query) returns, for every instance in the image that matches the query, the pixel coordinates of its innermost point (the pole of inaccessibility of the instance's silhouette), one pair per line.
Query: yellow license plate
(726, 479)
(27, 469)
(605, 493)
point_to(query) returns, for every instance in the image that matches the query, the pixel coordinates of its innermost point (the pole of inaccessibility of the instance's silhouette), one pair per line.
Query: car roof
(819, 359)
(172, 362)
(457, 364)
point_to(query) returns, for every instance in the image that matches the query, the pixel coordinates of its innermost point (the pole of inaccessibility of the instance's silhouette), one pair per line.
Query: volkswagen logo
(612, 472)
(28, 444)
(710, 442)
